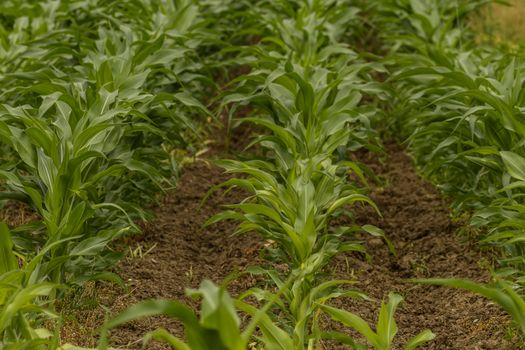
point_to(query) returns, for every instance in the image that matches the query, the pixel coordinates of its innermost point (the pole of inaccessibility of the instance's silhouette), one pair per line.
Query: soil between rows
(418, 222)
(416, 219)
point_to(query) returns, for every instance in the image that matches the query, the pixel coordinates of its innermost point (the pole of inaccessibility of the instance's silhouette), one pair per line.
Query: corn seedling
(386, 328)
(218, 326)
(462, 107)
(88, 117)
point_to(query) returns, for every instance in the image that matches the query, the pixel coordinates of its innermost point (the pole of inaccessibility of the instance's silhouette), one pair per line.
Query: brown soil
(415, 218)
(180, 253)
(418, 222)
(16, 213)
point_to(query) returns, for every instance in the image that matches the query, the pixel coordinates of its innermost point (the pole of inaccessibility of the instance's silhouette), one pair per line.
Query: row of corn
(460, 107)
(305, 94)
(96, 96)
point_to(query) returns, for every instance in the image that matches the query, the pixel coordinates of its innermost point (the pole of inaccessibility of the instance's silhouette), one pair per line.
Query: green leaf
(8, 260)
(274, 337)
(23, 299)
(162, 335)
(515, 164)
(386, 327)
(423, 337)
(355, 322)
(154, 308)
(218, 313)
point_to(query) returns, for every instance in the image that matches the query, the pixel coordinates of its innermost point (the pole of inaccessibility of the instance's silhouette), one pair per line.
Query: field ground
(175, 251)
(181, 254)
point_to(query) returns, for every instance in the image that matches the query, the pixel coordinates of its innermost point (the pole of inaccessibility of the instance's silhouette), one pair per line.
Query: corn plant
(18, 308)
(60, 202)
(425, 26)
(218, 327)
(386, 328)
(300, 294)
(294, 213)
(463, 109)
(60, 174)
(309, 31)
(302, 300)
(82, 136)
(468, 135)
(303, 37)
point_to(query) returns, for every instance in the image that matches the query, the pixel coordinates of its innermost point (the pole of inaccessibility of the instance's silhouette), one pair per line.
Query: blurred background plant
(501, 24)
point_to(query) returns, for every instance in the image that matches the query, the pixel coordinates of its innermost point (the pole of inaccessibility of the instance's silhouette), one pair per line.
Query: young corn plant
(67, 152)
(302, 37)
(308, 108)
(72, 132)
(295, 211)
(425, 26)
(464, 107)
(309, 113)
(386, 328)
(300, 295)
(21, 292)
(217, 327)
(309, 32)
(60, 173)
(469, 137)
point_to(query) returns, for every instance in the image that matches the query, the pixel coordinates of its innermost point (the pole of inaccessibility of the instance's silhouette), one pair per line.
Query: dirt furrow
(175, 252)
(418, 222)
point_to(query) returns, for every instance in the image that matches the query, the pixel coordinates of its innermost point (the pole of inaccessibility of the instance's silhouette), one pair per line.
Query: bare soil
(175, 252)
(418, 222)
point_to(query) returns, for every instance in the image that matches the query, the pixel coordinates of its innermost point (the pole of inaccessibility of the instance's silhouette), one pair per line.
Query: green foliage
(461, 108)
(89, 117)
(386, 328)
(298, 302)
(464, 106)
(98, 95)
(307, 90)
(218, 326)
(295, 213)
(19, 287)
